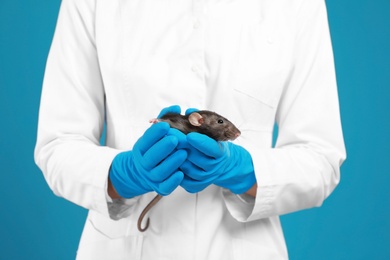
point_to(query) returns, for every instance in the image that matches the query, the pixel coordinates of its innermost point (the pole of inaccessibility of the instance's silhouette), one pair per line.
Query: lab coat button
(195, 68)
(196, 25)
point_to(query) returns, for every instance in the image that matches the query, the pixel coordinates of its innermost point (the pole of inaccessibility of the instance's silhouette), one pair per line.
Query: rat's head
(214, 125)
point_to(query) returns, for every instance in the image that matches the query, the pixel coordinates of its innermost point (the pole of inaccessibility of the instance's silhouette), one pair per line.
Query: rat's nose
(237, 135)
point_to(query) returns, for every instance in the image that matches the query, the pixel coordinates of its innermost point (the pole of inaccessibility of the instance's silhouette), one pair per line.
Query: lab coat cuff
(102, 167)
(239, 206)
(263, 206)
(121, 208)
(245, 208)
(108, 198)
(114, 208)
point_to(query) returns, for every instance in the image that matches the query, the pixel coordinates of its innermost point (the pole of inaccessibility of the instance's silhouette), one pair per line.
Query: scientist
(257, 62)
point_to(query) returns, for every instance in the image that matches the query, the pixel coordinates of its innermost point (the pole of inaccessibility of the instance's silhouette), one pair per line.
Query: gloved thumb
(206, 145)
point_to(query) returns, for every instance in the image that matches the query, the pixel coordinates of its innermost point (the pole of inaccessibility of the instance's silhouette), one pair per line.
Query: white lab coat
(256, 62)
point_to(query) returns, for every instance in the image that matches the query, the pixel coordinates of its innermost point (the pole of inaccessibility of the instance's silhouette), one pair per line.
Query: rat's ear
(196, 119)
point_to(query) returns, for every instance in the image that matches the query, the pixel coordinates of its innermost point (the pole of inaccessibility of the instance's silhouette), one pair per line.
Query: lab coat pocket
(114, 249)
(259, 77)
(249, 250)
(104, 238)
(261, 68)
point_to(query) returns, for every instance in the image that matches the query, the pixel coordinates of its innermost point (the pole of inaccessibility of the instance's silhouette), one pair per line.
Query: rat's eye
(220, 121)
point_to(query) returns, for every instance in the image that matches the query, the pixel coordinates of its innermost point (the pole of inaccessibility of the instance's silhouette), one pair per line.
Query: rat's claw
(154, 120)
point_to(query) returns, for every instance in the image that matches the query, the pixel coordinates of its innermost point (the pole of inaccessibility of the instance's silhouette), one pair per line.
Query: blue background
(353, 223)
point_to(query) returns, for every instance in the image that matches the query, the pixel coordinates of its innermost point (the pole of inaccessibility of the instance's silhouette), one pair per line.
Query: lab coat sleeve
(72, 112)
(304, 167)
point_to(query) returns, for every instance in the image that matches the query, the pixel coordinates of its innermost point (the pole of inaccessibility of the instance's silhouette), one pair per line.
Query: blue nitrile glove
(152, 165)
(222, 163)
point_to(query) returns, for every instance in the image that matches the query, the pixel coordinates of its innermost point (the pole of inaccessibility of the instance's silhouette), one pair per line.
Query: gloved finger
(197, 173)
(180, 136)
(170, 184)
(159, 151)
(193, 186)
(152, 135)
(191, 110)
(202, 160)
(172, 109)
(206, 145)
(168, 166)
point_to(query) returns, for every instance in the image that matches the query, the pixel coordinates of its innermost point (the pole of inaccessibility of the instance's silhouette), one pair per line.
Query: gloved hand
(221, 163)
(189, 184)
(152, 165)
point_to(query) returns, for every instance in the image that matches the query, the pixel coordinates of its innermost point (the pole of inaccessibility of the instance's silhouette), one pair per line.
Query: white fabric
(256, 62)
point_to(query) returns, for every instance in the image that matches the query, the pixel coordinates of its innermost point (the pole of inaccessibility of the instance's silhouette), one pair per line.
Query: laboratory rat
(204, 122)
